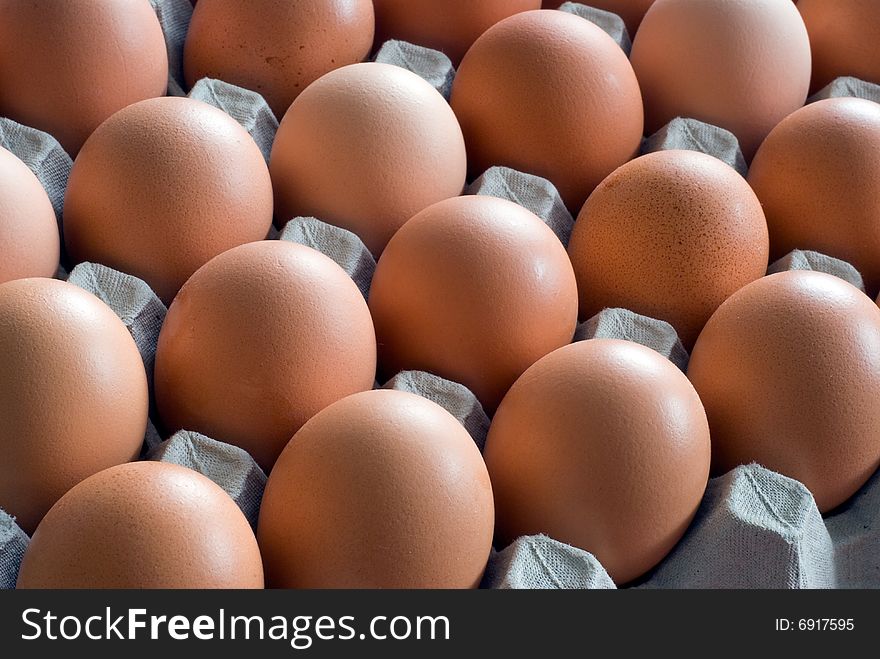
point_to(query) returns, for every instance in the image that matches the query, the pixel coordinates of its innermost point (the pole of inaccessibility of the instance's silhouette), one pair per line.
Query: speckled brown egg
(789, 369)
(604, 445)
(65, 67)
(366, 147)
(143, 525)
(818, 177)
(743, 65)
(29, 241)
(475, 289)
(670, 235)
(259, 340)
(549, 93)
(383, 489)
(631, 11)
(73, 393)
(844, 39)
(276, 47)
(164, 186)
(450, 26)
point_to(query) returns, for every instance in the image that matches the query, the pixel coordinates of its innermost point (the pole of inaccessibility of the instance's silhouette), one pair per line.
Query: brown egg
(276, 47)
(259, 340)
(670, 235)
(366, 147)
(73, 393)
(475, 289)
(551, 94)
(604, 445)
(29, 241)
(788, 369)
(743, 65)
(818, 177)
(844, 39)
(143, 525)
(164, 186)
(65, 67)
(383, 489)
(631, 11)
(447, 25)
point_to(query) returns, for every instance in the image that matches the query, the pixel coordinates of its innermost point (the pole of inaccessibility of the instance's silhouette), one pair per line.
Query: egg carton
(848, 86)
(754, 528)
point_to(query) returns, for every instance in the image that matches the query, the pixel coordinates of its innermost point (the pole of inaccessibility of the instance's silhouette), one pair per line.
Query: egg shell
(818, 177)
(450, 26)
(366, 147)
(474, 289)
(844, 39)
(743, 65)
(383, 489)
(162, 187)
(73, 393)
(29, 240)
(258, 340)
(551, 94)
(65, 67)
(631, 11)
(670, 235)
(143, 525)
(276, 47)
(604, 445)
(789, 369)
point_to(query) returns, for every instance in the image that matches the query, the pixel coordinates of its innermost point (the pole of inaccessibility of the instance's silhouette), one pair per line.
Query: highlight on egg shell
(743, 65)
(259, 340)
(365, 148)
(65, 67)
(789, 369)
(551, 94)
(670, 235)
(143, 525)
(604, 445)
(161, 188)
(818, 177)
(73, 394)
(382, 489)
(474, 289)
(29, 240)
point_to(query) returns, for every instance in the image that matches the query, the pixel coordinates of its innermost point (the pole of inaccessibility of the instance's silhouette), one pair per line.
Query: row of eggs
(165, 187)
(741, 65)
(603, 444)
(541, 91)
